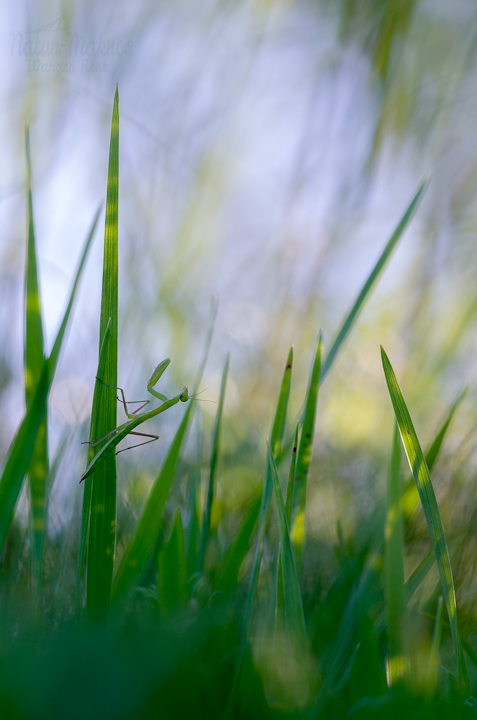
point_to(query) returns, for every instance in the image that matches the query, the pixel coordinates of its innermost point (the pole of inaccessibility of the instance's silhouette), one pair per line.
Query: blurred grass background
(267, 151)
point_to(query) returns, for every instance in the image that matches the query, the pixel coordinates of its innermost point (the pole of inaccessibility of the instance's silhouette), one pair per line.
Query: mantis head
(184, 396)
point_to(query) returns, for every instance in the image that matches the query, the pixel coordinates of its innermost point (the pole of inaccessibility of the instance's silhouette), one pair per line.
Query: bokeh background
(267, 151)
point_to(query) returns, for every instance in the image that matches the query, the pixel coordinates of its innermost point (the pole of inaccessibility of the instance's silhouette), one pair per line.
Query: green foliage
(215, 609)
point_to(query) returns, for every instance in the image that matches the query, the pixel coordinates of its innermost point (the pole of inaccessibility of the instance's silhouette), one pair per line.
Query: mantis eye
(184, 395)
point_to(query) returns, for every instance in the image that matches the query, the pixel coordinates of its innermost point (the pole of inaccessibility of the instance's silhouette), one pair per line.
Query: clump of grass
(184, 628)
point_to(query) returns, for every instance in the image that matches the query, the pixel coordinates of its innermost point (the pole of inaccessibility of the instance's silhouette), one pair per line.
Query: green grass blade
(102, 526)
(397, 660)
(33, 364)
(172, 575)
(139, 551)
(204, 538)
(278, 429)
(55, 352)
(353, 314)
(279, 422)
(410, 587)
(418, 575)
(422, 479)
(21, 449)
(470, 652)
(410, 496)
(280, 612)
(294, 615)
(193, 486)
(434, 655)
(228, 572)
(34, 343)
(303, 460)
(141, 548)
(291, 476)
(85, 515)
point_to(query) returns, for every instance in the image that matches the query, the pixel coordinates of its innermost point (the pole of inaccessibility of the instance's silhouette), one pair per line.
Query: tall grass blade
(21, 449)
(297, 526)
(102, 525)
(280, 612)
(204, 538)
(294, 615)
(33, 365)
(353, 314)
(422, 479)
(410, 497)
(141, 547)
(292, 475)
(85, 515)
(278, 429)
(397, 661)
(193, 485)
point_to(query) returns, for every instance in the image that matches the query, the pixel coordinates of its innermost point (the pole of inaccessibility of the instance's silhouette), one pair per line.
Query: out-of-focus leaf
(193, 485)
(367, 677)
(228, 572)
(434, 654)
(418, 575)
(172, 576)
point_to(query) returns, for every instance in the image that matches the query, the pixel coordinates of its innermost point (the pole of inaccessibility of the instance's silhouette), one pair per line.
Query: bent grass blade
(410, 496)
(423, 482)
(373, 277)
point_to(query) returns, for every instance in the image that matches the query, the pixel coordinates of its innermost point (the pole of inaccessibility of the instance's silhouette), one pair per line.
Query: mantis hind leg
(130, 415)
(88, 442)
(153, 438)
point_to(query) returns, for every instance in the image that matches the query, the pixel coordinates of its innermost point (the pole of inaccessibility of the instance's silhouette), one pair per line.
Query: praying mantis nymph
(127, 428)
